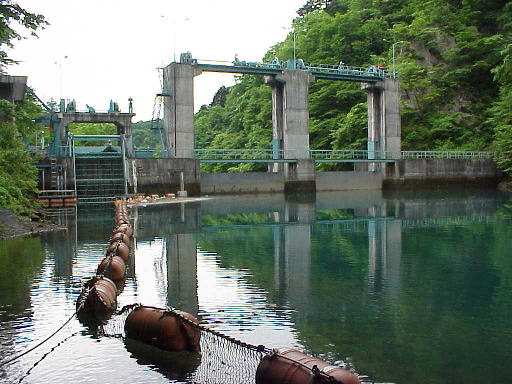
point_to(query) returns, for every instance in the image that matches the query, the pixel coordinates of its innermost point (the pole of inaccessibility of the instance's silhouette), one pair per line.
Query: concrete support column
(179, 109)
(290, 128)
(290, 112)
(384, 128)
(128, 138)
(300, 176)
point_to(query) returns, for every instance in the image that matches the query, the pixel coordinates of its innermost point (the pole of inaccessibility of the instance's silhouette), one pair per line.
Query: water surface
(409, 287)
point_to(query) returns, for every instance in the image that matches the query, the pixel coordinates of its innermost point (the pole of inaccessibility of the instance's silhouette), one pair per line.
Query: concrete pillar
(300, 176)
(384, 128)
(290, 128)
(290, 112)
(127, 134)
(182, 272)
(179, 109)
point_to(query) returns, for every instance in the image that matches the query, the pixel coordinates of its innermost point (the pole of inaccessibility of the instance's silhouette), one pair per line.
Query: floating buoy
(121, 222)
(288, 366)
(98, 298)
(120, 249)
(112, 267)
(69, 202)
(119, 236)
(163, 329)
(44, 202)
(56, 202)
(124, 228)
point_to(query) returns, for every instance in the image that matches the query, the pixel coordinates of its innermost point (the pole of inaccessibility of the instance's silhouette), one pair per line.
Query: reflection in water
(409, 286)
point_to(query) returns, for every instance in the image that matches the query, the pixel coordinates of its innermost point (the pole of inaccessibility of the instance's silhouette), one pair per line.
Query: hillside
(454, 62)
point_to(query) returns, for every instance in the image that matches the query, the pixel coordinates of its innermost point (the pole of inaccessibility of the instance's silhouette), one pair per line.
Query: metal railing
(269, 155)
(349, 154)
(446, 155)
(148, 153)
(232, 155)
(341, 69)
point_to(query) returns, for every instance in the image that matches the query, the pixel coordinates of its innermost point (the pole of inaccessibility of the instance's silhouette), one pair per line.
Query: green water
(410, 287)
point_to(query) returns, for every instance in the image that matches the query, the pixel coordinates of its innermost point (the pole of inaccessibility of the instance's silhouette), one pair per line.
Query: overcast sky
(94, 51)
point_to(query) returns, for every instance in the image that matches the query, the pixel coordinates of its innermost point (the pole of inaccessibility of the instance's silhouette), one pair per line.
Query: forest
(454, 59)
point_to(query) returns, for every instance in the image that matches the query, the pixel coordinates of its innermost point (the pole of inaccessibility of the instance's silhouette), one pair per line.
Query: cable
(46, 354)
(39, 344)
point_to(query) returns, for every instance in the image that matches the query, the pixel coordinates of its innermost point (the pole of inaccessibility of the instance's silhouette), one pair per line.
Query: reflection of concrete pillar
(300, 212)
(297, 254)
(384, 128)
(179, 109)
(279, 266)
(372, 254)
(182, 272)
(384, 257)
(392, 232)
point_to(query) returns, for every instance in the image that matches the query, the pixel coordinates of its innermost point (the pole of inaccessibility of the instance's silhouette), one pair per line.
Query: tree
(11, 13)
(18, 175)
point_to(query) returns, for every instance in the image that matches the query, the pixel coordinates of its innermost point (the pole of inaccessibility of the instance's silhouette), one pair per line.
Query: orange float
(288, 366)
(98, 298)
(163, 329)
(119, 236)
(124, 228)
(119, 249)
(112, 267)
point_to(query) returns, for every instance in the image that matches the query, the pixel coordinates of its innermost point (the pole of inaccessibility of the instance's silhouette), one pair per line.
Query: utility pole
(393, 53)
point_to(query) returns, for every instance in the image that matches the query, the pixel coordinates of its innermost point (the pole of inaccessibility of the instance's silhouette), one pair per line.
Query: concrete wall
(253, 182)
(344, 181)
(163, 175)
(441, 172)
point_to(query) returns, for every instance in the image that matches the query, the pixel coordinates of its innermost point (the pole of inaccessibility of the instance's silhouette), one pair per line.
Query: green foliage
(92, 129)
(18, 175)
(454, 73)
(12, 13)
(501, 113)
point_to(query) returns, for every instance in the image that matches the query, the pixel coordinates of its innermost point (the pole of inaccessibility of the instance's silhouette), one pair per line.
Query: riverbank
(12, 226)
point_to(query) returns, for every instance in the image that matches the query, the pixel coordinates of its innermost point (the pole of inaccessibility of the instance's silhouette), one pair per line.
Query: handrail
(447, 155)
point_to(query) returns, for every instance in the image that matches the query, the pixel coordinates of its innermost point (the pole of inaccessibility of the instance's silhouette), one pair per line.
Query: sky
(97, 50)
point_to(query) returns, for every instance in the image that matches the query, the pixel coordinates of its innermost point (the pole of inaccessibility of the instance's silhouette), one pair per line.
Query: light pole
(175, 22)
(294, 46)
(393, 50)
(59, 63)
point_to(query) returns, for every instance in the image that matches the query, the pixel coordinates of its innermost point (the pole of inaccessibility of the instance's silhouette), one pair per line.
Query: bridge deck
(349, 74)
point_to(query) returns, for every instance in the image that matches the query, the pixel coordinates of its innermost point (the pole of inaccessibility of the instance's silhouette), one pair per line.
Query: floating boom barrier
(98, 298)
(177, 332)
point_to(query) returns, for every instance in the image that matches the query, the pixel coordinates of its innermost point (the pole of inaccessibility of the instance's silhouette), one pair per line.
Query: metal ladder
(156, 122)
(55, 177)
